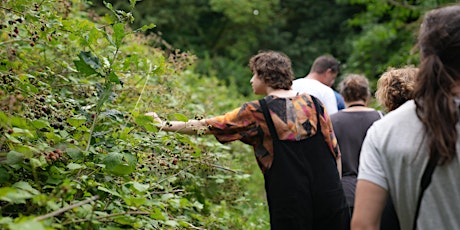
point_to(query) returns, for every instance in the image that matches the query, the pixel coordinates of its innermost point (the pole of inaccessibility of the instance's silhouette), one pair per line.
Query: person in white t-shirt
(323, 71)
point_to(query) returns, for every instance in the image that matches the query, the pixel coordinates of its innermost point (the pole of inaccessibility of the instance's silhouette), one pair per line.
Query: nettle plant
(76, 151)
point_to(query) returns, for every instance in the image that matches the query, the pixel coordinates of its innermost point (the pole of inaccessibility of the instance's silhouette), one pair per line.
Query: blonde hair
(396, 86)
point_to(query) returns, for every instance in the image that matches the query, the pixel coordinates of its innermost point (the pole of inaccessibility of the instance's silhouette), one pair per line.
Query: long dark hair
(439, 73)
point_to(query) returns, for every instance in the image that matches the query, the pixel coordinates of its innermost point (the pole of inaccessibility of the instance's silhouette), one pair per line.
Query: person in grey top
(350, 126)
(397, 148)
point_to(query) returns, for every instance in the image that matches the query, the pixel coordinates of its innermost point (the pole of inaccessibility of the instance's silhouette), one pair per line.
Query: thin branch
(166, 192)
(64, 209)
(164, 179)
(216, 166)
(107, 216)
(123, 213)
(143, 88)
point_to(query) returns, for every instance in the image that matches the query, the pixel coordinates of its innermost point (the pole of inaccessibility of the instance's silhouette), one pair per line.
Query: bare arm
(193, 127)
(369, 204)
(339, 166)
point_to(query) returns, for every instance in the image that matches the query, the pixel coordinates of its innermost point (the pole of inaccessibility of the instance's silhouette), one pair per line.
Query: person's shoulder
(403, 115)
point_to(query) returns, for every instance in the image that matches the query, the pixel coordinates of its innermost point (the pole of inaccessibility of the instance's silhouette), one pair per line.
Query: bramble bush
(76, 151)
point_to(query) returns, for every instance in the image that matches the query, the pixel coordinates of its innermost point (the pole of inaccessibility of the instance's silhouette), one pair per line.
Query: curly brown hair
(274, 68)
(396, 86)
(355, 87)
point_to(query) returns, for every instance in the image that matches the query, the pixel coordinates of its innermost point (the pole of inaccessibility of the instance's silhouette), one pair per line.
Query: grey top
(394, 157)
(350, 128)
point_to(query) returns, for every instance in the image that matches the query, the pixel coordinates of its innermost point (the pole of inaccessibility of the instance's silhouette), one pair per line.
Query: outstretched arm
(193, 127)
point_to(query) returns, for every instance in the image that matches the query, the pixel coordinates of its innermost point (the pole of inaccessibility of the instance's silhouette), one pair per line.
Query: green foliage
(386, 38)
(76, 151)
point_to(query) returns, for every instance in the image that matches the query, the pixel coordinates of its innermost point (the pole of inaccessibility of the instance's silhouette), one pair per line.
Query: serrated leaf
(88, 63)
(118, 34)
(82, 67)
(180, 117)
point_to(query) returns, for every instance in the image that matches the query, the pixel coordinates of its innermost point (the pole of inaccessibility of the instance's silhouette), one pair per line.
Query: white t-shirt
(392, 157)
(323, 92)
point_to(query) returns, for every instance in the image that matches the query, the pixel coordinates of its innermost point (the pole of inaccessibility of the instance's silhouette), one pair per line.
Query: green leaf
(76, 121)
(135, 201)
(4, 175)
(26, 187)
(118, 34)
(12, 139)
(146, 122)
(120, 163)
(115, 193)
(39, 124)
(140, 187)
(14, 157)
(88, 63)
(74, 153)
(146, 27)
(13, 195)
(180, 117)
(73, 166)
(114, 78)
(27, 225)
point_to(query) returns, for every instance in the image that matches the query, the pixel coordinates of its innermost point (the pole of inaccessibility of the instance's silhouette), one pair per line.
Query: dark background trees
(366, 36)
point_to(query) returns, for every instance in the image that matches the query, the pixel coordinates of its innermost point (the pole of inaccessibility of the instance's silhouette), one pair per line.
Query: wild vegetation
(367, 36)
(76, 77)
(76, 150)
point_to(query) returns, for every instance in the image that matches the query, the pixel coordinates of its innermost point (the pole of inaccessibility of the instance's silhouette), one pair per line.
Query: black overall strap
(268, 119)
(271, 126)
(426, 180)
